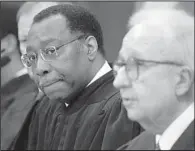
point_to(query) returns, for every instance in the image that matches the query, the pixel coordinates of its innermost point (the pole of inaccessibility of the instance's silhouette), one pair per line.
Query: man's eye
(32, 57)
(49, 51)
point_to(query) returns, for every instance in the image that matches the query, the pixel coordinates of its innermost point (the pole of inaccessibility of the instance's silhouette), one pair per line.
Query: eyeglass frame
(55, 47)
(137, 65)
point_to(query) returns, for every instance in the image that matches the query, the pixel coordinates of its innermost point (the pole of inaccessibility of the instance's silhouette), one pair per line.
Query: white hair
(175, 27)
(145, 10)
(159, 5)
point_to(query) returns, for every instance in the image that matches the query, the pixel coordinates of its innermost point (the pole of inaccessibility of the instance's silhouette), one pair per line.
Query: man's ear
(184, 80)
(92, 47)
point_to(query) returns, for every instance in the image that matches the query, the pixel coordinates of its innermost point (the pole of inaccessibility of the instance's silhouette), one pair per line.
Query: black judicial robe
(95, 119)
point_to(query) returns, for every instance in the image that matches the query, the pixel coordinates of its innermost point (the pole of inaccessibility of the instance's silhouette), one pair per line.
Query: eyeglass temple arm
(81, 36)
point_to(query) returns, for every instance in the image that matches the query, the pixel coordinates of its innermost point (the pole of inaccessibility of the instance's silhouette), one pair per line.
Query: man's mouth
(47, 84)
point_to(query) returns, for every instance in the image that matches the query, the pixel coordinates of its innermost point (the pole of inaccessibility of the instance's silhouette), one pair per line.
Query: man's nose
(121, 80)
(42, 67)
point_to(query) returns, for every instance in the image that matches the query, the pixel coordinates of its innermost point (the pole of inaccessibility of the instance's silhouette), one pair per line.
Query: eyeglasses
(132, 66)
(48, 54)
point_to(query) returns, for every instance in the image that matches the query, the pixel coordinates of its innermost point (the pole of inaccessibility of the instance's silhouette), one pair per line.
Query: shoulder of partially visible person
(144, 141)
(15, 89)
(37, 101)
(14, 118)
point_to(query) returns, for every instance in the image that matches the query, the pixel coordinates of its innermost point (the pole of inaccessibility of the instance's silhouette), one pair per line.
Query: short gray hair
(177, 28)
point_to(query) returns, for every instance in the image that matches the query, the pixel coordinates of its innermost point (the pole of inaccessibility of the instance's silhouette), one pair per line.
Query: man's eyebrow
(47, 42)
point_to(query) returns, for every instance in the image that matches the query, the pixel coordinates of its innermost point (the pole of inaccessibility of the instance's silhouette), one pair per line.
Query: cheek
(58, 90)
(65, 69)
(30, 73)
(71, 65)
(156, 84)
(153, 95)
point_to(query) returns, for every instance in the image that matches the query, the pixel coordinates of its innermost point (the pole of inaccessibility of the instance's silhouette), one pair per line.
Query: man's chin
(62, 94)
(56, 90)
(58, 94)
(55, 95)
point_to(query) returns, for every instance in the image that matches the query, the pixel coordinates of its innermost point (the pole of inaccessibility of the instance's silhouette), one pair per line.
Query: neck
(161, 123)
(97, 63)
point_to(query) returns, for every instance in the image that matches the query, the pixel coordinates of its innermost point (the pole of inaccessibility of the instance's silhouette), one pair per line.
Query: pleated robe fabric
(94, 120)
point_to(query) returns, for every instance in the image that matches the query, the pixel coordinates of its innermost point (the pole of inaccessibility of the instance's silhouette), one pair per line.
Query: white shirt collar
(175, 130)
(104, 69)
(21, 72)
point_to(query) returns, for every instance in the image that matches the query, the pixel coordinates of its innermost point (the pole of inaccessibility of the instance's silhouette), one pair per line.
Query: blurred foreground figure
(155, 76)
(16, 94)
(14, 67)
(16, 80)
(81, 109)
(19, 95)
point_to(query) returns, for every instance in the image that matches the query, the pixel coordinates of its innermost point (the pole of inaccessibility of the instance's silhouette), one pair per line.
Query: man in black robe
(81, 108)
